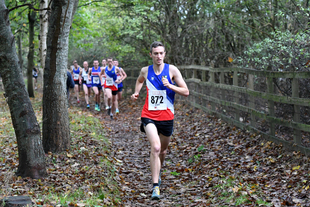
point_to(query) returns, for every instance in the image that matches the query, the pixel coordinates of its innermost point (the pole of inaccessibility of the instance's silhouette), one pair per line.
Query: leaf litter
(209, 163)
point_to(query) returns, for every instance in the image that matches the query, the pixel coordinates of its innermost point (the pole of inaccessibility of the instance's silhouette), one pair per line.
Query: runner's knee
(156, 149)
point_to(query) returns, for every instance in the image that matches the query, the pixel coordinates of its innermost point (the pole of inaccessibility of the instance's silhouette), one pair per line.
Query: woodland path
(209, 163)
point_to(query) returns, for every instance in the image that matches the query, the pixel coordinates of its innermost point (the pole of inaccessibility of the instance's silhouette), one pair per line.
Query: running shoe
(156, 193)
(78, 101)
(96, 107)
(116, 111)
(87, 106)
(106, 108)
(111, 116)
(109, 110)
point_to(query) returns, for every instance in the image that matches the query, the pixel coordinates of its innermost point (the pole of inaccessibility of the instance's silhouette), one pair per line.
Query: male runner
(162, 82)
(75, 75)
(35, 77)
(110, 85)
(120, 85)
(83, 78)
(93, 76)
(105, 99)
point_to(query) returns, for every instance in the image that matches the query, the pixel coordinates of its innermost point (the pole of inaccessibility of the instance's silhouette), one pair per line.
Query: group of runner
(107, 78)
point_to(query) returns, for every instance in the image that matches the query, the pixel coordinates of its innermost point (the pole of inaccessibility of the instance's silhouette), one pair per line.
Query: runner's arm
(139, 83)
(124, 74)
(80, 77)
(181, 87)
(89, 73)
(118, 70)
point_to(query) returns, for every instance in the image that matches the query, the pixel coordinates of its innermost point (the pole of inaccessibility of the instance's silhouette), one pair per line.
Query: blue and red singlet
(95, 79)
(76, 73)
(159, 99)
(110, 79)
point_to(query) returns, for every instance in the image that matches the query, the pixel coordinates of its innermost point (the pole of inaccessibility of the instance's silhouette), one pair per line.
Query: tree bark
(31, 20)
(43, 31)
(27, 130)
(20, 52)
(56, 133)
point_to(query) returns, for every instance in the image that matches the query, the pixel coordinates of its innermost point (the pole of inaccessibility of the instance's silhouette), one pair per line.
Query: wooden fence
(248, 99)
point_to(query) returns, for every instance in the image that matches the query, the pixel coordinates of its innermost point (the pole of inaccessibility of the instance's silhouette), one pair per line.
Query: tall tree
(43, 31)
(56, 133)
(27, 129)
(31, 20)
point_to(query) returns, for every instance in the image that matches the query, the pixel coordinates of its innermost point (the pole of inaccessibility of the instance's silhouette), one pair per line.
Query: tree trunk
(56, 133)
(20, 54)
(43, 31)
(27, 129)
(31, 20)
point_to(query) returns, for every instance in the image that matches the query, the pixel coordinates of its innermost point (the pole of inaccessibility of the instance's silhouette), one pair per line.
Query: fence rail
(249, 99)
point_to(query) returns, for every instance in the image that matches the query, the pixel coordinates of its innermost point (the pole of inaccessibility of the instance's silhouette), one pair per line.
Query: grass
(96, 187)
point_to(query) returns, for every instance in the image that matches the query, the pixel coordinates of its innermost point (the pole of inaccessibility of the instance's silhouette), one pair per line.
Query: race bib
(96, 80)
(75, 76)
(85, 77)
(157, 100)
(109, 81)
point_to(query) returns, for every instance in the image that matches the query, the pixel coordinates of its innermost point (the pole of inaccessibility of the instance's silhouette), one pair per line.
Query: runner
(105, 99)
(162, 82)
(75, 75)
(93, 76)
(35, 77)
(110, 85)
(120, 85)
(83, 78)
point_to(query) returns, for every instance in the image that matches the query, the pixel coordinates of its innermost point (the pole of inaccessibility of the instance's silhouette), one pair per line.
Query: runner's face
(110, 62)
(158, 55)
(115, 63)
(85, 65)
(104, 62)
(75, 64)
(96, 64)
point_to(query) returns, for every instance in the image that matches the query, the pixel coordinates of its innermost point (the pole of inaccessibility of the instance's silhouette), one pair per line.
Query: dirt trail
(209, 163)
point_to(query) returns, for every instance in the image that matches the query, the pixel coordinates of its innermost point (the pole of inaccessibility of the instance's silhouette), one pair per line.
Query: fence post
(270, 89)
(236, 95)
(296, 118)
(212, 80)
(252, 99)
(194, 73)
(223, 94)
(203, 76)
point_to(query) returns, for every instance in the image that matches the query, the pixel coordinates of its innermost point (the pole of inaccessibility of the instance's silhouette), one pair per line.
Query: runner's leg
(164, 147)
(86, 93)
(76, 91)
(151, 133)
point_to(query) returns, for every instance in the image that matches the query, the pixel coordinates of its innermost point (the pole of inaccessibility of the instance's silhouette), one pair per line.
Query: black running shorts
(163, 127)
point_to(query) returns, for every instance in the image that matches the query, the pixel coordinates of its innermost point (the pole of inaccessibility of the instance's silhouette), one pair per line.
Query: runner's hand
(134, 96)
(165, 82)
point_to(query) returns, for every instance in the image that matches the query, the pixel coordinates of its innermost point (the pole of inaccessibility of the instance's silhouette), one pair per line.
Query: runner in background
(120, 85)
(93, 76)
(75, 74)
(83, 79)
(35, 77)
(105, 98)
(111, 85)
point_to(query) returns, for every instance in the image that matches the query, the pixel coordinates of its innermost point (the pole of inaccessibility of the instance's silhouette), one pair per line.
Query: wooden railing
(248, 99)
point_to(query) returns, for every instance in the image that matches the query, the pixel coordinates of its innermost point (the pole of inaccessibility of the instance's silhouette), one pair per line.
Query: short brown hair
(156, 44)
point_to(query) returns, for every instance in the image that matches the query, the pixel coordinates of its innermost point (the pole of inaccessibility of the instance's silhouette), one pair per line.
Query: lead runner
(162, 82)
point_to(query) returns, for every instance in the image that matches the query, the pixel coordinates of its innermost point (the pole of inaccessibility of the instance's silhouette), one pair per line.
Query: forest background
(265, 35)
(194, 32)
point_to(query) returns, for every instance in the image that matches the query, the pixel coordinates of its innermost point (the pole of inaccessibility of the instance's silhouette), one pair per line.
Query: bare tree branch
(30, 6)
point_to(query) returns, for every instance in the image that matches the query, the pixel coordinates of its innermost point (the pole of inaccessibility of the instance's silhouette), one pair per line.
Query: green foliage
(283, 52)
